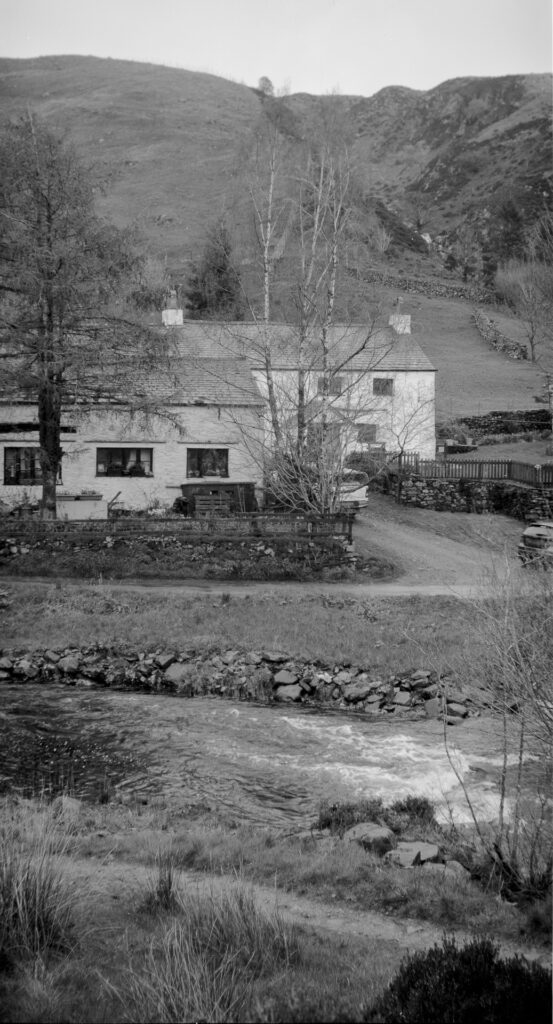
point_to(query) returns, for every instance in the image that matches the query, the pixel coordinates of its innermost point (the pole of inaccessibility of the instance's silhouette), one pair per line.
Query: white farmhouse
(211, 423)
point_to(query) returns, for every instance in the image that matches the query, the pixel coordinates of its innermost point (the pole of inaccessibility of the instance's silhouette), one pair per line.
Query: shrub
(470, 985)
(419, 809)
(338, 817)
(403, 814)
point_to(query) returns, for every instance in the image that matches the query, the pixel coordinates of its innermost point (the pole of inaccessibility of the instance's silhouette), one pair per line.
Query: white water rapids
(264, 765)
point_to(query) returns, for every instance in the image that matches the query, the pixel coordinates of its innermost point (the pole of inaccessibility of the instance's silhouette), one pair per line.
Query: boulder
(274, 656)
(375, 838)
(67, 808)
(252, 658)
(421, 683)
(343, 678)
(70, 664)
(5, 664)
(285, 678)
(413, 854)
(26, 668)
(456, 710)
(358, 691)
(455, 696)
(443, 871)
(164, 659)
(433, 707)
(229, 657)
(182, 677)
(402, 698)
(288, 693)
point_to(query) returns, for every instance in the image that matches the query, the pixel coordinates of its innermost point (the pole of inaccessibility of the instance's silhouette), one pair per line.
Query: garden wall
(242, 547)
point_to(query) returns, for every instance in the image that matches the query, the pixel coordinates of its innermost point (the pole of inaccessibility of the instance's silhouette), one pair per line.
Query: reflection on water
(266, 765)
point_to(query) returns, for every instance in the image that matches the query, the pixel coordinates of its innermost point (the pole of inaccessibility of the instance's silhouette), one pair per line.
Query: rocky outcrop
(268, 676)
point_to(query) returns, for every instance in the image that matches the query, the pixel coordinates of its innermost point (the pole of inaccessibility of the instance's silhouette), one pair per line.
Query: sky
(318, 46)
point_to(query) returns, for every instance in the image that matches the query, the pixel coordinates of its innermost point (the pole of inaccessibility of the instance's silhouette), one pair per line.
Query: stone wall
(179, 553)
(433, 288)
(492, 334)
(270, 676)
(472, 496)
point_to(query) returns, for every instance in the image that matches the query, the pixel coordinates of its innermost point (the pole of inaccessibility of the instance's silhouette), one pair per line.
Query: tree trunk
(49, 418)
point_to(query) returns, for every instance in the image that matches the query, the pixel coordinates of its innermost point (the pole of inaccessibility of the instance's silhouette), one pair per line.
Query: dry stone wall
(491, 333)
(471, 496)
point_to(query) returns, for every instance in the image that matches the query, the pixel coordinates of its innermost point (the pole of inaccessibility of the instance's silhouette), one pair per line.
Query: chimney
(400, 322)
(172, 316)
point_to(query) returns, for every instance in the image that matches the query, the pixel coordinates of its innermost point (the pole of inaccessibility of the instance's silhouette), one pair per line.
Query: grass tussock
(206, 963)
(36, 901)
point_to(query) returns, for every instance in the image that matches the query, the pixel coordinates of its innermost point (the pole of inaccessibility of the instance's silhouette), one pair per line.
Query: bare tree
(513, 635)
(528, 287)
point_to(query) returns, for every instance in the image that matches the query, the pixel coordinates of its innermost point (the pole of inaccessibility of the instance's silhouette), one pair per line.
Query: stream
(269, 766)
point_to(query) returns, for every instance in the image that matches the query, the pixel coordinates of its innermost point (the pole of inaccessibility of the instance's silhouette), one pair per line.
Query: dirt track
(121, 881)
(439, 549)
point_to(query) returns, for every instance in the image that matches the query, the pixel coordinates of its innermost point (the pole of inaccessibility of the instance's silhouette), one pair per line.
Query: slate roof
(193, 380)
(353, 345)
(196, 380)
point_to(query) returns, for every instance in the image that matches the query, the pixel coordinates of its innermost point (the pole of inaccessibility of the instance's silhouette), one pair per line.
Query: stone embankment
(265, 676)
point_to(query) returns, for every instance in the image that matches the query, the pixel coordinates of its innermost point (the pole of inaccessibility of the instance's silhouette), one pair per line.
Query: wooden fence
(476, 469)
(245, 524)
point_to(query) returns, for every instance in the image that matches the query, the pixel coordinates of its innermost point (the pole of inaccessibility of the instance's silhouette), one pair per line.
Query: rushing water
(266, 765)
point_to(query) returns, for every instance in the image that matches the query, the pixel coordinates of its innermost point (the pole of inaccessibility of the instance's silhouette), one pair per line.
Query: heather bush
(468, 985)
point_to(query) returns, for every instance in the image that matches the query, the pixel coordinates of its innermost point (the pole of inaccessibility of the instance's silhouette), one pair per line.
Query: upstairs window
(383, 386)
(335, 385)
(22, 466)
(207, 462)
(124, 462)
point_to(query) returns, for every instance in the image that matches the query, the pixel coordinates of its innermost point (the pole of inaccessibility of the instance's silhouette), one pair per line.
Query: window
(383, 386)
(22, 466)
(124, 462)
(335, 385)
(366, 433)
(207, 462)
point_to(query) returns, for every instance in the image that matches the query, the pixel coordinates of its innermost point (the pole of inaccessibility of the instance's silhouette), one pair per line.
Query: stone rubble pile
(266, 676)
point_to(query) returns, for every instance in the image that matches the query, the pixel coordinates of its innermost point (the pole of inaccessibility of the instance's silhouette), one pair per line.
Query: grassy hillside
(472, 378)
(162, 141)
